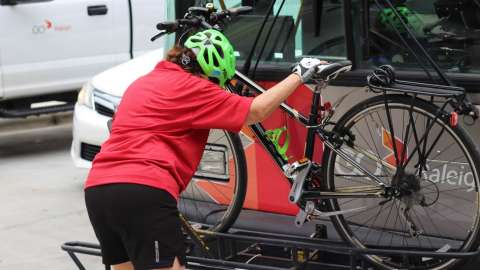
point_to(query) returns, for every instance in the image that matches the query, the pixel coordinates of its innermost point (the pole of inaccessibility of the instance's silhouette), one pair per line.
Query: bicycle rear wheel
(437, 204)
(216, 193)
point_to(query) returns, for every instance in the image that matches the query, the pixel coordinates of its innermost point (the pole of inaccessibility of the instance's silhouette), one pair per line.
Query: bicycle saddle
(330, 71)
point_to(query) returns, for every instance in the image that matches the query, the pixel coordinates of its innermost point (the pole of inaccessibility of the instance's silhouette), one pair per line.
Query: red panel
(271, 186)
(267, 188)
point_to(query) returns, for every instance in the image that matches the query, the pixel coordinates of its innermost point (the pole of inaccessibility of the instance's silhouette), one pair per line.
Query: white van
(50, 48)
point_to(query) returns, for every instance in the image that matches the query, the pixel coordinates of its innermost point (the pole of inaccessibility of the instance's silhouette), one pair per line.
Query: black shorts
(136, 223)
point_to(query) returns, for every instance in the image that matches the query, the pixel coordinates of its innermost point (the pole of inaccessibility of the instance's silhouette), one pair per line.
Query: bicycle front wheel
(431, 169)
(216, 192)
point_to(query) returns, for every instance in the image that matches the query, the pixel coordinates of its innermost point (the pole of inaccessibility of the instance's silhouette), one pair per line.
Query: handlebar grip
(167, 26)
(240, 10)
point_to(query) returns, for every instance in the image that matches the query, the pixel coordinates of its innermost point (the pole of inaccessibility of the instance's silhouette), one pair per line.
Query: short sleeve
(217, 108)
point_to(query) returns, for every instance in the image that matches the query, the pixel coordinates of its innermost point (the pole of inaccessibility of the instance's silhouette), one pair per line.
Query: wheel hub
(407, 190)
(406, 184)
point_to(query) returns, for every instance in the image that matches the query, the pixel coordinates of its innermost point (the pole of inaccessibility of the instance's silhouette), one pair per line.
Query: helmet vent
(205, 54)
(215, 61)
(219, 50)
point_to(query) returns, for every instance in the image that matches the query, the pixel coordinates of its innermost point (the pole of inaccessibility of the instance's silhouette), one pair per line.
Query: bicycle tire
(351, 231)
(201, 203)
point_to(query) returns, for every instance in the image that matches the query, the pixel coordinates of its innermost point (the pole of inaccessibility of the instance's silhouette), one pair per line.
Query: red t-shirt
(161, 128)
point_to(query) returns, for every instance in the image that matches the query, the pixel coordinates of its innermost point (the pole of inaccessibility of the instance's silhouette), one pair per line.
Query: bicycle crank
(310, 213)
(297, 171)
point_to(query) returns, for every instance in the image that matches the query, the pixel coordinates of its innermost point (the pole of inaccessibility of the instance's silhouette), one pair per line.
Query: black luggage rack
(255, 250)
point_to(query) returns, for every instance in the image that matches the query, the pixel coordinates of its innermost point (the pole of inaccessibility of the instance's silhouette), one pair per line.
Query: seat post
(313, 119)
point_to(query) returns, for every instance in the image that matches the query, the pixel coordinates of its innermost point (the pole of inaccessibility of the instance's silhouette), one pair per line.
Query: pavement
(41, 195)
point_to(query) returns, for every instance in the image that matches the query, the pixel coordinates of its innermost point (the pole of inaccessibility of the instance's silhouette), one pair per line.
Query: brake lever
(157, 36)
(215, 18)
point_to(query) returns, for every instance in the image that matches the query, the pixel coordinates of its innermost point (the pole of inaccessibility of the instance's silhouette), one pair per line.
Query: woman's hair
(185, 58)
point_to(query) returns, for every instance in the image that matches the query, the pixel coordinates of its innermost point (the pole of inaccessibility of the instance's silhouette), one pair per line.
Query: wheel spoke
(448, 211)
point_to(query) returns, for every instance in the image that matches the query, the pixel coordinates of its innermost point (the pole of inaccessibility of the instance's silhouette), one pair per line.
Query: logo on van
(457, 174)
(399, 146)
(48, 25)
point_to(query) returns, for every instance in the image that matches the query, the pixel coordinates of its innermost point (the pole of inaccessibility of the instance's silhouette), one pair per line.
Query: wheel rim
(364, 227)
(209, 199)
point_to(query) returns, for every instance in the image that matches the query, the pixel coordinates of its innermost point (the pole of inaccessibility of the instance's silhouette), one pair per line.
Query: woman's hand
(307, 68)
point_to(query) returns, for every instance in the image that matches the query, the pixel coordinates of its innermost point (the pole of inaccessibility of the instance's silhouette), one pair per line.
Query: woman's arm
(266, 103)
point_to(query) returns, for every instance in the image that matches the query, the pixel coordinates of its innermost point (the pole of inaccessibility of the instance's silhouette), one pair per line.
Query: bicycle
(381, 185)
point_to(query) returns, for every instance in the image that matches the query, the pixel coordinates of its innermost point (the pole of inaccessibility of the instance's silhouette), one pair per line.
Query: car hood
(114, 81)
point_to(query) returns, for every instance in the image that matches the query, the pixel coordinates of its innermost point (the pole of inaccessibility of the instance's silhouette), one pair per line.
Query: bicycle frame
(259, 130)
(312, 124)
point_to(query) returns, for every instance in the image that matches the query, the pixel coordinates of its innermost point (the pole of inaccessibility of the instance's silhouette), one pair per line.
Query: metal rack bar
(247, 248)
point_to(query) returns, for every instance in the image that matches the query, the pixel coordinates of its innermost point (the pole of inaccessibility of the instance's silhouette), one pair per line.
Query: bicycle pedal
(298, 171)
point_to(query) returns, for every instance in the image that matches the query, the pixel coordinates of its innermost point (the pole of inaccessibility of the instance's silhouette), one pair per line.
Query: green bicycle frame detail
(274, 136)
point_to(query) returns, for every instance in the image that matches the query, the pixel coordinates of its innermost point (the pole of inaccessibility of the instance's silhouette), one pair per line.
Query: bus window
(303, 28)
(448, 29)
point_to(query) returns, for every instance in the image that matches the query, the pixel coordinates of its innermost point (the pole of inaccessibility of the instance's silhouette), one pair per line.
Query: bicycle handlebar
(202, 21)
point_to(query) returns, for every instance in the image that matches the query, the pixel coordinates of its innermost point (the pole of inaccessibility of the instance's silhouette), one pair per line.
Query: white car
(97, 102)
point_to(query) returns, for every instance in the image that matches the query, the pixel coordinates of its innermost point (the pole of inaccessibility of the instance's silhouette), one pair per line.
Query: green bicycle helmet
(214, 54)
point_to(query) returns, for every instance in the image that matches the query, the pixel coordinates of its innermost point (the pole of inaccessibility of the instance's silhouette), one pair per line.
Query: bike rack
(258, 250)
(242, 249)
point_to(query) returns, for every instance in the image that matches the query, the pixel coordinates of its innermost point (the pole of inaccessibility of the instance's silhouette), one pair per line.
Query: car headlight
(85, 96)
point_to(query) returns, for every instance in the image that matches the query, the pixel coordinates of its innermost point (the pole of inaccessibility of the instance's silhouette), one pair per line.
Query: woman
(158, 136)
